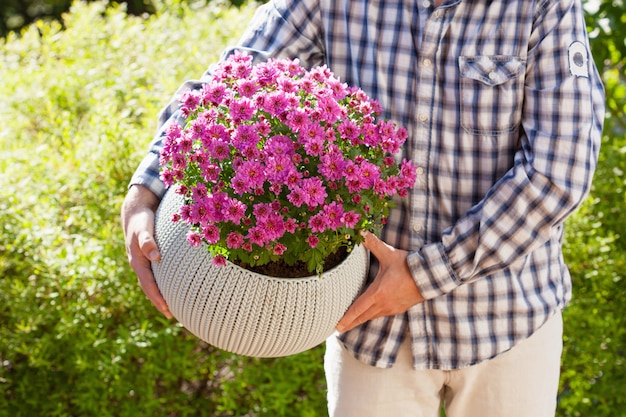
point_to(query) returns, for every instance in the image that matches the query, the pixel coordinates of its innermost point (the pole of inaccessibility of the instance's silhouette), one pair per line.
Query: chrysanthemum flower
(273, 156)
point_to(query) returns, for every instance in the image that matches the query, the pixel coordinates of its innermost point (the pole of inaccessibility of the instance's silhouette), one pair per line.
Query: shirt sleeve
(560, 136)
(279, 29)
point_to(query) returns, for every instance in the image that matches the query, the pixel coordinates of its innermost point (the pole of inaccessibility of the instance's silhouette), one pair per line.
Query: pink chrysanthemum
(234, 240)
(189, 101)
(332, 166)
(273, 227)
(213, 93)
(241, 110)
(219, 260)
(194, 238)
(318, 223)
(247, 88)
(257, 236)
(252, 173)
(296, 197)
(314, 191)
(297, 119)
(275, 103)
(333, 213)
(261, 211)
(245, 136)
(279, 249)
(234, 210)
(272, 155)
(210, 234)
(350, 219)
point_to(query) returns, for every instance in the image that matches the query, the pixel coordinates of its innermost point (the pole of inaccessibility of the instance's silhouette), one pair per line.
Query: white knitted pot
(245, 312)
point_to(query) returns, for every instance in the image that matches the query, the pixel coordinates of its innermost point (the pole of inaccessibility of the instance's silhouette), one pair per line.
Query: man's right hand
(138, 212)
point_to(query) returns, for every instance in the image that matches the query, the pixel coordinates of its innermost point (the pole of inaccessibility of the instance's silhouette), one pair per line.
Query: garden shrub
(593, 376)
(78, 337)
(594, 360)
(593, 373)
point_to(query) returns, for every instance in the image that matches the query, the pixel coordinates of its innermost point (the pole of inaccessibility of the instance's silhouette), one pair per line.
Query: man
(504, 109)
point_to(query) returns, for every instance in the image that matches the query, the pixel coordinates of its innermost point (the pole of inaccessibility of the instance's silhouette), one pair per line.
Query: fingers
(359, 312)
(143, 268)
(148, 284)
(142, 250)
(138, 222)
(148, 246)
(375, 245)
(393, 291)
(385, 297)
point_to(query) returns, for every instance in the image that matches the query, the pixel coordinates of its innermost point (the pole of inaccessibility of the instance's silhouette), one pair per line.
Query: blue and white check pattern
(506, 138)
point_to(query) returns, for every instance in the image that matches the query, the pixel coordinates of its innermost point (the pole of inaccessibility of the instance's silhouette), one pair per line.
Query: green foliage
(606, 22)
(77, 335)
(594, 361)
(16, 14)
(594, 369)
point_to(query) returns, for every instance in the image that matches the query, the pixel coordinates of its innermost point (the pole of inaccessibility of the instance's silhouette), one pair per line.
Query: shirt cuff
(432, 271)
(147, 174)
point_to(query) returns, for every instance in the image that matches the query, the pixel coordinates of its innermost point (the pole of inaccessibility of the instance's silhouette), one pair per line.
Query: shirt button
(427, 62)
(417, 228)
(423, 117)
(426, 4)
(493, 76)
(419, 171)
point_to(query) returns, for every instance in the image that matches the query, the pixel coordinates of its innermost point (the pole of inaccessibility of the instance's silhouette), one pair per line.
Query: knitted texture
(244, 312)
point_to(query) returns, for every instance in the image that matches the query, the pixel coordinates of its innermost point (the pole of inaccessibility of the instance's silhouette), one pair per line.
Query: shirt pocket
(492, 90)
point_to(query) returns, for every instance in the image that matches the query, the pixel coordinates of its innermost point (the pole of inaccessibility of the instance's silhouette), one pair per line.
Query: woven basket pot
(244, 312)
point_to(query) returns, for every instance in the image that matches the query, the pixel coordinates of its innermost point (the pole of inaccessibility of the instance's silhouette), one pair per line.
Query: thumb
(375, 245)
(148, 246)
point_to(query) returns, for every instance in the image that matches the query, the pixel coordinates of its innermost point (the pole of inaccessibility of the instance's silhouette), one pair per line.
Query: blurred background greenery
(79, 92)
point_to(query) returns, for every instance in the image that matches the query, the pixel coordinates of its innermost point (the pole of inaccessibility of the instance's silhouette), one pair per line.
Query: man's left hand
(393, 291)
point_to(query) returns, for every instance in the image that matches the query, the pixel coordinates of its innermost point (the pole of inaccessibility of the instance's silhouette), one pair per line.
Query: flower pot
(244, 312)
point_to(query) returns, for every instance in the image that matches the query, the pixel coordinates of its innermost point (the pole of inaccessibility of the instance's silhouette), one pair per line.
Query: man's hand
(393, 291)
(138, 211)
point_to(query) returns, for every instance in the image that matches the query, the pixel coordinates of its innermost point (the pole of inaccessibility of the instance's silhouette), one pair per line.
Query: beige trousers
(522, 382)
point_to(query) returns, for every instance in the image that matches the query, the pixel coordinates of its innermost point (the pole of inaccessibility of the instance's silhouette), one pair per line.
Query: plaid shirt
(504, 108)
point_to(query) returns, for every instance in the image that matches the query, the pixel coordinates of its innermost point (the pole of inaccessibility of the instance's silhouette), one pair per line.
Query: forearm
(138, 199)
